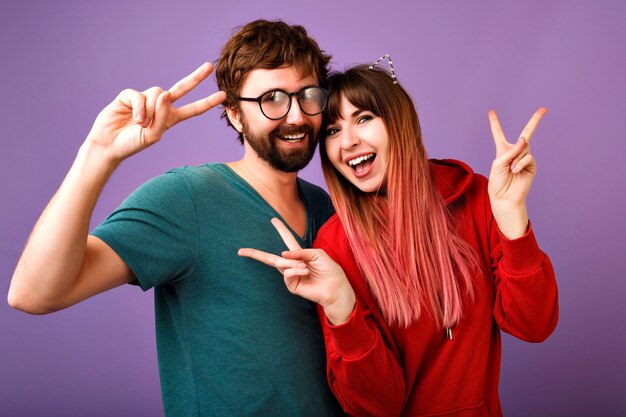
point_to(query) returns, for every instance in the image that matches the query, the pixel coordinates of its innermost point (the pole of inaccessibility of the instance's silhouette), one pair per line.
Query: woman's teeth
(354, 162)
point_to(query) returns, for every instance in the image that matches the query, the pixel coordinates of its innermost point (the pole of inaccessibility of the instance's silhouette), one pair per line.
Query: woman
(436, 259)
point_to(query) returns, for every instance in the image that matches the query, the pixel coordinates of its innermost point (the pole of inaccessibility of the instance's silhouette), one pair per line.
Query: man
(231, 339)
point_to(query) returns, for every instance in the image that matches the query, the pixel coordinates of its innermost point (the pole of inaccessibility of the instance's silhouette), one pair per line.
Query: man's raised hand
(136, 120)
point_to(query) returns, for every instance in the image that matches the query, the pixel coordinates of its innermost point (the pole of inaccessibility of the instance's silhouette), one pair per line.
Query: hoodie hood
(452, 178)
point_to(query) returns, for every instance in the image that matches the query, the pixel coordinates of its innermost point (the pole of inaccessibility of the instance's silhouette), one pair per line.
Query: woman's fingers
(286, 235)
(304, 255)
(293, 273)
(497, 133)
(526, 162)
(530, 127)
(271, 259)
(513, 154)
(502, 146)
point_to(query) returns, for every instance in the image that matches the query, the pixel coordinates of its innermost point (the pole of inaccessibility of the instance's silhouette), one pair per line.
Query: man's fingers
(162, 109)
(198, 107)
(136, 102)
(530, 127)
(188, 83)
(151, 95)
(286, 235)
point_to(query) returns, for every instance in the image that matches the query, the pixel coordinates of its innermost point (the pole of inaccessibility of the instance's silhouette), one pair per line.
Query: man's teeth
(293, 137)
(356, 161)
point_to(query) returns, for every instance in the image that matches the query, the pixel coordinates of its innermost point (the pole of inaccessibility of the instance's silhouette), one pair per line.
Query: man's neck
(265, 179)
(276, 187)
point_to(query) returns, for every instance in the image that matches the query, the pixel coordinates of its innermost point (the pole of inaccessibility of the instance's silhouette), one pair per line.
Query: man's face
(287, 144)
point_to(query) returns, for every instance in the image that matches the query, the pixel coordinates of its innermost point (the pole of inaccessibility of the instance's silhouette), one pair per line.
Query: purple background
(63, 61)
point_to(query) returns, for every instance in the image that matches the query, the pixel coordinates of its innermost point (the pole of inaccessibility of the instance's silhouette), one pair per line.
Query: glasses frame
(297, 94)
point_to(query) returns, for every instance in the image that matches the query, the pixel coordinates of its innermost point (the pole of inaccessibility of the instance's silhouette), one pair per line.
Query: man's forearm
(54, 253)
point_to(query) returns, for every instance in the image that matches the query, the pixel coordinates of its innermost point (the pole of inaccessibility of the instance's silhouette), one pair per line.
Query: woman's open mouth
(361, 164)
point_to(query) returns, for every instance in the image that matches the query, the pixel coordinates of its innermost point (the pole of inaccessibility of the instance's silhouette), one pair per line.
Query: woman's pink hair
(403, 237)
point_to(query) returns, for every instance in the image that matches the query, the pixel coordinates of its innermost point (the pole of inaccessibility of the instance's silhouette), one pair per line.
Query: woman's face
(357, 145)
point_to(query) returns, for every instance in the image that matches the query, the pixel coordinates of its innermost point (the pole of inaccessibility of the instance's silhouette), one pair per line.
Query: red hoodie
(376, 369)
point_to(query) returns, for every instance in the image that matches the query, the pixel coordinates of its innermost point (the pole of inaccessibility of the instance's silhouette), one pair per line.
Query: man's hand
(136, 120)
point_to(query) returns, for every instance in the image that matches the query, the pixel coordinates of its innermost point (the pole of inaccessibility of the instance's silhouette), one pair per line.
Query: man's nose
(295, 115)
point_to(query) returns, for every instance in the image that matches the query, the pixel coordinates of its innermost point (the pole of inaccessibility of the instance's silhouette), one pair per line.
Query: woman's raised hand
(311, 274)
(511, 176)
(136, 120)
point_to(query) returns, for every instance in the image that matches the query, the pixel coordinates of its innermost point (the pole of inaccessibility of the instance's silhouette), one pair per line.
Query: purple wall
(63, 61)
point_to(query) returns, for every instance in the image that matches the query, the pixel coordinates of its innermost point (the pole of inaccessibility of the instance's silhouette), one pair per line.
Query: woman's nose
(349, 139)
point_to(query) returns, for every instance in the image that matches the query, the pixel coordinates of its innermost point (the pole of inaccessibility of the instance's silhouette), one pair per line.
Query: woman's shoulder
(332, 238)
(332, 229)
(454, 178)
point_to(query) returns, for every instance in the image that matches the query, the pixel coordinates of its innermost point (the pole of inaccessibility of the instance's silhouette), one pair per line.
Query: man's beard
(290, 160)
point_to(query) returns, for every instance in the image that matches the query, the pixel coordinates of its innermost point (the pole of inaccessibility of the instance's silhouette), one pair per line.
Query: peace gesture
(136, 120)
(311, 274)
(511, 176)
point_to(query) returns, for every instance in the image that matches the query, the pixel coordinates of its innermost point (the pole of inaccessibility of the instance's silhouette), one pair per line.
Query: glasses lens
(312, 100)
(275, 104)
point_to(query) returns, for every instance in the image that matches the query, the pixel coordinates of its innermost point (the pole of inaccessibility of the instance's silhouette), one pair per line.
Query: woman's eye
(364, 119)
(331, 131)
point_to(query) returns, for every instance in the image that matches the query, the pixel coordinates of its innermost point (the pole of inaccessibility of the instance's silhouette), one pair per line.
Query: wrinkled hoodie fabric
(379, 369)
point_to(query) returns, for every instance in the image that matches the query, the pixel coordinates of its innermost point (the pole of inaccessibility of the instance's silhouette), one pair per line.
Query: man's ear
(234, 116)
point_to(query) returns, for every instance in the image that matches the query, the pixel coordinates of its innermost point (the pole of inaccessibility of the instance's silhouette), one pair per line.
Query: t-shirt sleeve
(155, 231)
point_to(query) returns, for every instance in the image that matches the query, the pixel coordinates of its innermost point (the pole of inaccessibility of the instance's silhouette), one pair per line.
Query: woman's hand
(511, 177)
(311, 274)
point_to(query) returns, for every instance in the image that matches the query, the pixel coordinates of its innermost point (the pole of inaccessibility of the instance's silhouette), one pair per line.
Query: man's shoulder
(317, 201)
(310, 189)
(196, 173)
(192, 177)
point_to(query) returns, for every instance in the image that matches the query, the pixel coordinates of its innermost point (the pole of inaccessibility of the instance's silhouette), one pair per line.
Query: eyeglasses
(275, 104)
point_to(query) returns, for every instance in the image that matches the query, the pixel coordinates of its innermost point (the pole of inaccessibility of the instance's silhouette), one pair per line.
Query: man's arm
(61, 264)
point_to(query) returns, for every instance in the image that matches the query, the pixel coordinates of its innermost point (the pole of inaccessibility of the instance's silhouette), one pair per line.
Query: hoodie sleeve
(526, 296)
(363, 371)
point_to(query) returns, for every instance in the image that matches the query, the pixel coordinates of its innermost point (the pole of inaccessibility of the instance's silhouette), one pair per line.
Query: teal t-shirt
(231, 340)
